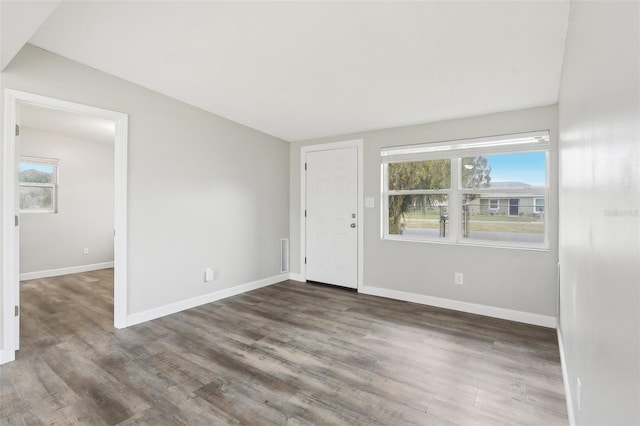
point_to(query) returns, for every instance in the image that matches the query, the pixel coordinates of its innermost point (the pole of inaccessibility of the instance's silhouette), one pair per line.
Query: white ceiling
(18, 21)
(300, 70)
(72, 125)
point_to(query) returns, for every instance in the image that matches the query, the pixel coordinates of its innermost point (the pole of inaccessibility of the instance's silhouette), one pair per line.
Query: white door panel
(332, 209)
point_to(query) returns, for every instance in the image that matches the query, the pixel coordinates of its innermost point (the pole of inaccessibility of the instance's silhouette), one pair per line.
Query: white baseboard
(193, 302)
(565, 379)
(64, 271)
(296, 277)
(7, 356)
(456, 305)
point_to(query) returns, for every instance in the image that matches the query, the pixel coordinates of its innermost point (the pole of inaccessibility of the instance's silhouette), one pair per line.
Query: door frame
(10, 232)
(359, 144)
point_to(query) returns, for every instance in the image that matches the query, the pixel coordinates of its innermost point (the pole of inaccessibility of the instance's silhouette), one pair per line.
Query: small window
(38, 181)
(538, 205)
(494, 204)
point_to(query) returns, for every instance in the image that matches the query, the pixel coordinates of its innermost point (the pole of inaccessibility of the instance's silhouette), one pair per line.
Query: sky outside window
(528, 167)
(46, 168)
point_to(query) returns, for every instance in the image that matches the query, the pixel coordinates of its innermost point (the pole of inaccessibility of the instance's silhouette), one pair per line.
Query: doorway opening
(514, 205)
(19, 196)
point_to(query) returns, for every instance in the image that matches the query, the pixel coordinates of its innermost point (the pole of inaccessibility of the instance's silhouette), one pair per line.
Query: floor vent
(284, 255)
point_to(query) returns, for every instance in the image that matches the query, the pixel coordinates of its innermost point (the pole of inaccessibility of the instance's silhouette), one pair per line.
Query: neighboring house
(507, 204)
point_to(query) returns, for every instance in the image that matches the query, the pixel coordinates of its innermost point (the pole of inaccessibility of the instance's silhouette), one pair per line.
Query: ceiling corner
(19, 20)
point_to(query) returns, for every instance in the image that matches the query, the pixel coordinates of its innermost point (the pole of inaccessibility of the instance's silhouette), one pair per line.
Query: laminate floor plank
(313, 376)
(177, 404)
(518, 412)
(93, 385)
(287, 354)
(464, 414)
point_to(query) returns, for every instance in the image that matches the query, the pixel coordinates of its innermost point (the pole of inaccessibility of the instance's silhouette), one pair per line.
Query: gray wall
(85, 205)
(600, 201)
(521, 280)
(203, 191)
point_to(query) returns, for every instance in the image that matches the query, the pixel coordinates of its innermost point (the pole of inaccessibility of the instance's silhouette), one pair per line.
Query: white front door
(331, 216)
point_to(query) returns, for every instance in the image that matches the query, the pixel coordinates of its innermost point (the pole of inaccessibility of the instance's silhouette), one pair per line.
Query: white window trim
(54, 186)
(497, 207)
(520, 142)
(536, 208)
(455, 150)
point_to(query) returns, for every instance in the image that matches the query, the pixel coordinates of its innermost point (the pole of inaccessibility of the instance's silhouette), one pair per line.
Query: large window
(38, 181)
(479, 191)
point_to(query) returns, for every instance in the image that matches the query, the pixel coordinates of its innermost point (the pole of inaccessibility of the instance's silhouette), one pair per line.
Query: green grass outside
(436, 216)
(488, 226)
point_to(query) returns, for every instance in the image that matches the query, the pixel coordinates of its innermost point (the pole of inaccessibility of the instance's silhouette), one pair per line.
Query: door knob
(353, 225)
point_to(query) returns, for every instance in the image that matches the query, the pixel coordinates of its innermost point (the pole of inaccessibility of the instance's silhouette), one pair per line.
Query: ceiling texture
(302, 70)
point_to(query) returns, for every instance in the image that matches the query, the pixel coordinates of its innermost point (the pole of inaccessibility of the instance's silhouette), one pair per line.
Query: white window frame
(386, 193)
(536, 207)
(497, 207)
(537, 141)
(54, 162)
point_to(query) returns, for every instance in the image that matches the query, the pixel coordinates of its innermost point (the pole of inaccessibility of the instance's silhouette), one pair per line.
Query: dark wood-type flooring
(291, 353)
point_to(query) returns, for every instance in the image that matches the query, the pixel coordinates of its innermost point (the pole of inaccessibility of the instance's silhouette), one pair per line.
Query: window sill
(469, 243)
(37, 211)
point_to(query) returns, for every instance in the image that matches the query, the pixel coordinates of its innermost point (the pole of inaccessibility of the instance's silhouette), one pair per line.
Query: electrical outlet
(579, 394)
(209, 275)
(458, 278)
(85, 251)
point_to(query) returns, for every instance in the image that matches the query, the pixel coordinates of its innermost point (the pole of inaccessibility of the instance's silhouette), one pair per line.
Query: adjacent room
(58, 147)
(66, 190)
(320, 212)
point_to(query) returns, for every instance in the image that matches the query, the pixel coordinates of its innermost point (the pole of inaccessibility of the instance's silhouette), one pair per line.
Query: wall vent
(284, 255)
